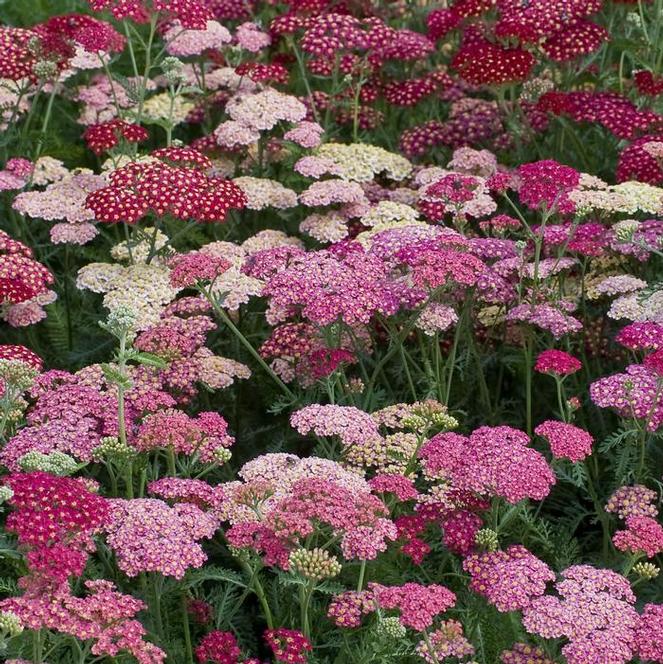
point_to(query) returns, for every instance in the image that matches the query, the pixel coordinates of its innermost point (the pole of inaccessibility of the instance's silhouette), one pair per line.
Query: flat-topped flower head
(160, 188)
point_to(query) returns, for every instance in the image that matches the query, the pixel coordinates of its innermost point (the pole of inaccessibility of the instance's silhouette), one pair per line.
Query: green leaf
(151, 360)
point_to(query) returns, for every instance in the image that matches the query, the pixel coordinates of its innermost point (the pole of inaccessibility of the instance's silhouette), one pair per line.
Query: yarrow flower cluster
(56, 518)
(511, 579)
(164, 187)
(566, 440)
(149, 536)
(594, 611)
(491, 461)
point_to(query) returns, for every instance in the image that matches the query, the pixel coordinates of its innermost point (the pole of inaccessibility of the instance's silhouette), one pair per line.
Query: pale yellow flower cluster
(361, 163)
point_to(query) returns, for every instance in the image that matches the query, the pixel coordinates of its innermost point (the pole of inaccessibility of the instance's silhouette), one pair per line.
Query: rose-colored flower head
(566, 441)
(21, 277)
(107, 135)
(288, 645)
(21, 354)
(417, 604)
(192, 14)
(161, 188)
(219, 648)
(509, 579)
(557, 363)
(643, 534)
(186, 270)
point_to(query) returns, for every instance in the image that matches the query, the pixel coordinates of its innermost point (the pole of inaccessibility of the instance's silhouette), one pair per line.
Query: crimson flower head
(648, 84)
(547, 183)
(483, 62)
(184, 157)
(454, 189)
(192, 14)
(60, 35)
(160, 188)
(16, 58)
(288, 645)
(442, 21)
(106, 135)
(21, 354)
(557, 363)
(55, 519)
(654, 362)
(21, 276)
(218, 647)
(260, 72)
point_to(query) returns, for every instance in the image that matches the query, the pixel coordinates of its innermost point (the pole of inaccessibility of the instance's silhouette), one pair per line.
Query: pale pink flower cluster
(307, 134)
(263, 193)
(183, 42)
(330, 226)
(436, 317)
(251, 114)
(251, 38)
(29, 312)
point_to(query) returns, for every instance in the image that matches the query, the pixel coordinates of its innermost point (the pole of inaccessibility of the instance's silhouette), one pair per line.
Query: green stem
(362, 574)
(37, 647)
(46, 121)
(305, 593)
(247, 344)
(187, 629)
(172, 469)
(257, 588)
(560, 400)
(156, 606)
(529, 352)
(450, 364)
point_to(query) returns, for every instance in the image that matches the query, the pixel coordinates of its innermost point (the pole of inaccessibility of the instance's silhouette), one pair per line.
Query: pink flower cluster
(634, 394)
(557, 363)
(642, 534)
(491, 461)
(288, 645)
(417, 605)
(105, 616)
(566, 440)
(149, 536)
(511, 579)
(174, 429)
(594, 611)
(322, 286)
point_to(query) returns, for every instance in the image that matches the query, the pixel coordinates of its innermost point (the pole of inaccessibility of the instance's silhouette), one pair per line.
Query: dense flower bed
(332, 332)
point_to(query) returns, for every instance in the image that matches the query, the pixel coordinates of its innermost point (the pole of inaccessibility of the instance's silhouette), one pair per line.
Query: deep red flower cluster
(288, 645)
(218, 647)
(483, 62)
(610, 109)
(648, 84)
(635, 163)
(162, 189)
(21, 277)
(55, 517)
(107, 135)
(21, 354)
(60, 34)
(16, 59)
(192, 14)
